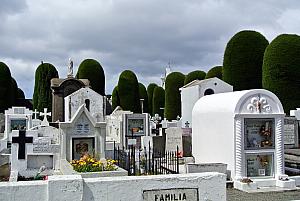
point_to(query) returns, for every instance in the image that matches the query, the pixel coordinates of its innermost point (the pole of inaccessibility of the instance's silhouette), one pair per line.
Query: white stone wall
(211, 186)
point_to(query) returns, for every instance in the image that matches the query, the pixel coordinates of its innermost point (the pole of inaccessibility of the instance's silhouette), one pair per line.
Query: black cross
(22, 140)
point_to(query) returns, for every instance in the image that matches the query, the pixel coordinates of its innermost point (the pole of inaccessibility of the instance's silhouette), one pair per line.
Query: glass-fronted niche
(259, 133)
(259, 165)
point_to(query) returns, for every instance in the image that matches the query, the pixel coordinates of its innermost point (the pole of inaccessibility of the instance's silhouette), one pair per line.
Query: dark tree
(150, 90)
(158, 101)
(194, 75)
(215, 72)
(143, 95)
(92, 70)
(243, 58)
(115, 99)
(6, 97)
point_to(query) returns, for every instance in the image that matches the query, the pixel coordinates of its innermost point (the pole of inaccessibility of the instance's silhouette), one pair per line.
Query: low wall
(198, 186)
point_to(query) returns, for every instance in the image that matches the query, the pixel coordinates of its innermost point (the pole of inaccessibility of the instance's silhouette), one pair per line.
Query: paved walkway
(236, 195)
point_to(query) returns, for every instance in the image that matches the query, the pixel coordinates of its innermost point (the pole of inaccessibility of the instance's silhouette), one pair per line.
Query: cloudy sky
(140, 35)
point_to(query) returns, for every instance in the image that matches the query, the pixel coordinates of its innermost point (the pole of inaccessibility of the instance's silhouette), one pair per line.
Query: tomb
(81, 135)
(243, 129)
(196, 89)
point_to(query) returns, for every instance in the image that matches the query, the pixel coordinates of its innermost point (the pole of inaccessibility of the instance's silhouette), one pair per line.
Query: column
(238, 149)
(279, 147)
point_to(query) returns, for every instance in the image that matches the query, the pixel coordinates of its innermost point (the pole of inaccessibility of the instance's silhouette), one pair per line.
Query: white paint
(211, 186)
(74, 101)
(218, 129)
(194, 90)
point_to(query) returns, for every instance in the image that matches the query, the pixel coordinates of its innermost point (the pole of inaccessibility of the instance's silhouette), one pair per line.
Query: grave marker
(22, 140)
(174, 139)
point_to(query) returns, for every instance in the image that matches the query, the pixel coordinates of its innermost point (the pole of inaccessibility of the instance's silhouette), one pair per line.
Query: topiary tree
(243, 58)
(194, 75)
(143, 95)
(174, 81)
(150, 90)
(6, 87)
(92, 70)
(20, 94)
(281, 70)
(214, 72)
(128, 88)
(42, 95)
(158, 101)
(115, 99)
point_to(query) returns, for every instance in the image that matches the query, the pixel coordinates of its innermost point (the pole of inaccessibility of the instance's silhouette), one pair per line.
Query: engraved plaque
(188, 194)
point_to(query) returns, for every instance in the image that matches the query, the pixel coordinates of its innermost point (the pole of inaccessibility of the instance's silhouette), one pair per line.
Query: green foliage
(194, 75)
(281, 70)
(215, 72)
(42, 95)
(5, 87)
(92, 70)
(243, 58)
(143, 95)
(14, 91)
(174, 81)
(115, 99)
(158, 101)
(128, 88)
(20, 94)
(150, 90)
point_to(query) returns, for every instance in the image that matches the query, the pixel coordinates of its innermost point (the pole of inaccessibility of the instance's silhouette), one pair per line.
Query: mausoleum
(243, 129)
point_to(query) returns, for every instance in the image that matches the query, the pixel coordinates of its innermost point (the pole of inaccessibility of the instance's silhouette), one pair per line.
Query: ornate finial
(70, 68)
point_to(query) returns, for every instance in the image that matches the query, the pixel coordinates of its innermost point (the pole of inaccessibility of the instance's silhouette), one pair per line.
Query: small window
(87, 104)
(208, 92)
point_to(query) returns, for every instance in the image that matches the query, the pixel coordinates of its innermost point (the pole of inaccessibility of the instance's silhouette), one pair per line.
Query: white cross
(45, 114)
(35, 113)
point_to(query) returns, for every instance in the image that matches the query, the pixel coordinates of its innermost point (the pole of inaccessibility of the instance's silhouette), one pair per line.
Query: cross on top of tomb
(35, 113)
(187, 124)
(22, 140)
(45, 114)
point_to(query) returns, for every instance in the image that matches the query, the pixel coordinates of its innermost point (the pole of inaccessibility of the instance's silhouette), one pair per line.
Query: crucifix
(35, 113)
(22, 140)
(45, 114)
(187, 124)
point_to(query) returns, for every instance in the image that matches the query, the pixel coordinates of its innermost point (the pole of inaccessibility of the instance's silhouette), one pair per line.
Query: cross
(45, 114)
(22, 140)
(35, 113)
(187, 124)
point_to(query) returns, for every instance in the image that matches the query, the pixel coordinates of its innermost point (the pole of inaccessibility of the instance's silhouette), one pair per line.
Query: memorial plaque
(173, 139)
(41, 146)
(290, 131)
(188, 194)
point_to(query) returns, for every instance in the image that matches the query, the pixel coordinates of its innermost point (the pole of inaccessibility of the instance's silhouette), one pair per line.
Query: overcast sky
(140, 35)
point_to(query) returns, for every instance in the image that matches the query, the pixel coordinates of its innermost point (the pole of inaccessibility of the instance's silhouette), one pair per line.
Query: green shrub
(128, 88)
(174, 81)
(215, 72)
(281, 70)
(14, 92)
(243, 58)
(115, 99)
(194, 75)
(158, 101)
(20, 94)
(143, 95)
(5, 88)
(150, 90)
(92, 70)
(42, 95)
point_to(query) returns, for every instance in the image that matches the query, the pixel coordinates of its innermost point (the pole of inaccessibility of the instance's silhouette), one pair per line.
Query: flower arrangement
(89, 164)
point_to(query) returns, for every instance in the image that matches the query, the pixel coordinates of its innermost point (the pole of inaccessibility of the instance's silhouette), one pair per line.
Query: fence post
(114, 150)
(177, 160)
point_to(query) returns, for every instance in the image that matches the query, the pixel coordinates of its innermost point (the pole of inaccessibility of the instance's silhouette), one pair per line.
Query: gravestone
(174, 139)
(187, 141)
(290, 132)
(146, 142)
(35, 120)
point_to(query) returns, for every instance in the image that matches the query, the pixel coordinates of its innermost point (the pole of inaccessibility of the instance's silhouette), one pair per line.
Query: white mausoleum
(243, 129)
(196, 89)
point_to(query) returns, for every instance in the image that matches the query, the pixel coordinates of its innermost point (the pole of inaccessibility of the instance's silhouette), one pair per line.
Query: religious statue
(70, 68)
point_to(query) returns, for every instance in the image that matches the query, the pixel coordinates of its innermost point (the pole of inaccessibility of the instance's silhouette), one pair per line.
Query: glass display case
(259, 134)
(259, 165)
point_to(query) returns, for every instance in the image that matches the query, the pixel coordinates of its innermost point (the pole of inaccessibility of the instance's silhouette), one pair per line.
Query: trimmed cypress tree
(128, 88)
(92, 70)
(194, 75)
(14, 91)
(115, 99)
(5, 87)
(174, 81)
(42, 95)
(20, 94)
(281, 70)
(243, 58)
(215, 72)
(150, 90)
(143, 95)
(158, 101)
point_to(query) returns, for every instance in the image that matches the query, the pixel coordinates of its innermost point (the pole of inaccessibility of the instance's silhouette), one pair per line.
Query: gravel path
(236, 195)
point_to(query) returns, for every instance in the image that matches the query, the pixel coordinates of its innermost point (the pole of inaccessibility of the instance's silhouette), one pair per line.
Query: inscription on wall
(178, 194)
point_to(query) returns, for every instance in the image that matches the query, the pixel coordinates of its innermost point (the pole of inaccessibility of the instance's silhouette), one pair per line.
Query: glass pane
(259, 165)
(259, 133)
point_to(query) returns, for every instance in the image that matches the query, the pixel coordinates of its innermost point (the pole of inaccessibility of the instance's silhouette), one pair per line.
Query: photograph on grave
(18, 124)
(259, 133)
(135, 126)
(259, 165)
(82, 146)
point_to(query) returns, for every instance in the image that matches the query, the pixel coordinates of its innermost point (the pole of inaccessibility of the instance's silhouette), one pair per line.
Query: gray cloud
(142, 36)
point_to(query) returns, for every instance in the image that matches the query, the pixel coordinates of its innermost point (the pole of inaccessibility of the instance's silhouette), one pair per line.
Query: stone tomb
(247, 136)
(17, 118)
(174, 139)
(32, 149)
(82, 135)
(290, 132)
